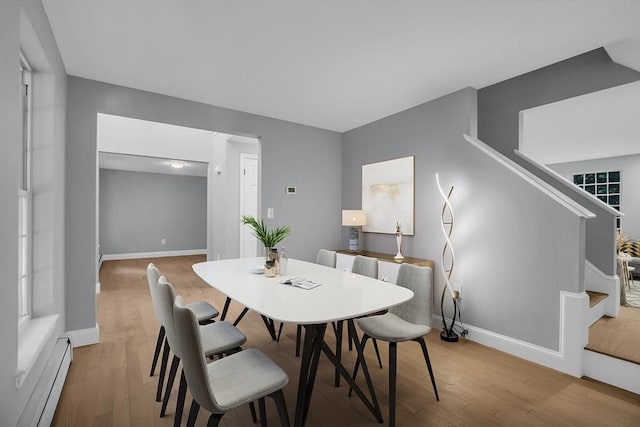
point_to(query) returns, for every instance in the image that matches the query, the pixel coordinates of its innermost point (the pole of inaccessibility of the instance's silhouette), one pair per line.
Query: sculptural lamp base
(399, 255)
(354, 239)
(449, 336)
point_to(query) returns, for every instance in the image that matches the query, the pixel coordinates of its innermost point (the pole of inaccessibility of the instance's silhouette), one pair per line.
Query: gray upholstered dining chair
(366, 266)
(205, 313)
(326, 257)
(217, 338)
(409, 321)
(228, 383)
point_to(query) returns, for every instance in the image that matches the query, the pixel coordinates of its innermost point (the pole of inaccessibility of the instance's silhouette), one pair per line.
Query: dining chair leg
(193, 413)
(225, 308)
(375, 346)
(163, 368)
(425, 353)
(156, 353)
(263, 412)
(298, 339)
(182, 393)
(281, 406)
(393, 359)
(214, 420)
(167, 391)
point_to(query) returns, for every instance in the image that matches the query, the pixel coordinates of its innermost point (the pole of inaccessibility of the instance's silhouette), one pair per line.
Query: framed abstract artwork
(388, 196)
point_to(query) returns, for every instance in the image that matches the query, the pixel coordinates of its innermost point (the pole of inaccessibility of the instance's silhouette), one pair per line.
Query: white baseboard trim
(82, 337)
(619, 373)
(112, 257)
(573, 337)
(597, 281)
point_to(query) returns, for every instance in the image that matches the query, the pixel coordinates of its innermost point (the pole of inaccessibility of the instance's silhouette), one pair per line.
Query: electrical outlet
(163, 241)
(457, 290)
(270, 213)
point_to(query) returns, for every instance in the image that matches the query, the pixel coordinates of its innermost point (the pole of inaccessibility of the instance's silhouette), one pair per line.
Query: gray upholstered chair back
(327, 258)
(166, 298)
(153, 274)
(190, 346)
(417, 310)
(365, 266)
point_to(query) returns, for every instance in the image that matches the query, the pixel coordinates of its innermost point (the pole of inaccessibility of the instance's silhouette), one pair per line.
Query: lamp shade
(354, 218)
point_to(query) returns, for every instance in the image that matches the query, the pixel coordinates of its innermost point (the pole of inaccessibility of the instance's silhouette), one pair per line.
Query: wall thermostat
(290, 189)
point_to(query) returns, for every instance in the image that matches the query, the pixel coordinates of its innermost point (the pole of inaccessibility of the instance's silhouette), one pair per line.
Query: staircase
(617, 364)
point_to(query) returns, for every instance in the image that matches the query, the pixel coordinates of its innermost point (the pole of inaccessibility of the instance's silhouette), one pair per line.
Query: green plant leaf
(269, 238)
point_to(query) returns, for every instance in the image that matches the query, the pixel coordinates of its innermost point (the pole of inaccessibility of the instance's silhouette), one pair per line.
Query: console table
(387, 265)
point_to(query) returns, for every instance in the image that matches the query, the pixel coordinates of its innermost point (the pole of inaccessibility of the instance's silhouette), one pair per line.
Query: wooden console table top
(422, 262)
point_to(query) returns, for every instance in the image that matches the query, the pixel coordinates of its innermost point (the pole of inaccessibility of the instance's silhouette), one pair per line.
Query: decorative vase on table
(399, 255)
(269, 238)
(271, 255)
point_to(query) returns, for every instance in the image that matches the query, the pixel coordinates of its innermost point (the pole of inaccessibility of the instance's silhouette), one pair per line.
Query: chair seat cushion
(220, 337)
(242, 378)
(203, 310)
(389, 327)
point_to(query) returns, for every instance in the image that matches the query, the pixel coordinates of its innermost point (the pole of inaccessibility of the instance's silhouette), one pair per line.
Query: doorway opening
(193, 173)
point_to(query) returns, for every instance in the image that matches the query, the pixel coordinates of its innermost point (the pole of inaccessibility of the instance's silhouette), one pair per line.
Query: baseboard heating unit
(42, 404)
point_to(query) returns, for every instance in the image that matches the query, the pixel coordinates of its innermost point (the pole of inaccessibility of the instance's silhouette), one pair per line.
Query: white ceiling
(593, 126)
(130, 144)
(331, 64)
(127, 135)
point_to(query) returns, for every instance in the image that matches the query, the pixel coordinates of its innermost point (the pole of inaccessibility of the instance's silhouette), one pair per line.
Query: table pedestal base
(314, 345)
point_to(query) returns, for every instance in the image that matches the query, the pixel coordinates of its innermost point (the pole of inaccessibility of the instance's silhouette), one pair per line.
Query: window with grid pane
(604, 185)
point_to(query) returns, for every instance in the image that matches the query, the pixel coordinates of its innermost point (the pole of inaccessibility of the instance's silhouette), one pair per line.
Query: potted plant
(269, 238)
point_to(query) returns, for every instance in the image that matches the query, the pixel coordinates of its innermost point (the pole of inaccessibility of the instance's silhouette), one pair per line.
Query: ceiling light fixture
(176, 164)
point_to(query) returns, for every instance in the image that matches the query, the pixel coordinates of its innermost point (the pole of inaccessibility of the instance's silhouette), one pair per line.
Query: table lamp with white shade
(354, 220)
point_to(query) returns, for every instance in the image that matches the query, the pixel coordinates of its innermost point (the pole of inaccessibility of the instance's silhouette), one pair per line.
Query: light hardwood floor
(109, 383)
(618, 336)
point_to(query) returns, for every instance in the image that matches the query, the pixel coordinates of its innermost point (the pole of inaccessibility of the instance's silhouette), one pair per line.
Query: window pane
(602, 177)
(578, 179)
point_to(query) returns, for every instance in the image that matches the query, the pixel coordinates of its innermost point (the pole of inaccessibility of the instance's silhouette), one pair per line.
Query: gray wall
(316, 171)
(516, 249)
(138, 209)
(499, 104)
(498, 126)
(629, 166)
(24, 25)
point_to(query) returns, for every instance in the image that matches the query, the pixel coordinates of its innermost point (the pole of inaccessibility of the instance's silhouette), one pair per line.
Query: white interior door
(248, 202)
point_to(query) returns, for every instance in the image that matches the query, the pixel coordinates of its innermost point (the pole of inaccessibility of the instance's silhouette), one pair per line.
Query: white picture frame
(388, 196)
